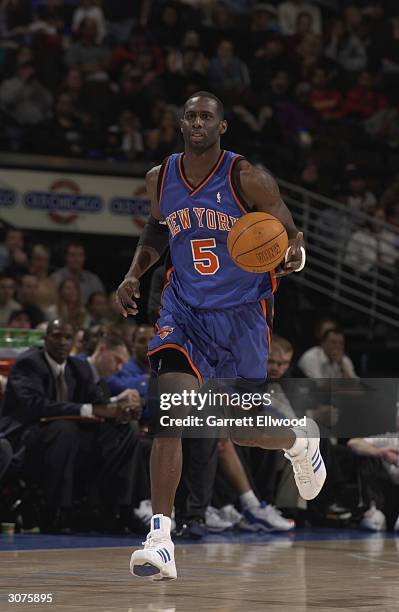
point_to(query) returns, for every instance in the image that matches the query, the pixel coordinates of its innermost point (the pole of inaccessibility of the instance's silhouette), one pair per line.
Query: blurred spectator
(346, 48)
(308, 55)
(97, 308)
(303, 27)
(91, 58)
(227, 73)
(108, 357)
(90, 9)
(7, 302)
(263, 23)
(17, 15)
(39, 267)
(334, 226)
(74, 86)
(24, 98)
(222, 25)
(281, 355)
(13, 257)
(169, 29)
(122, 16)
(367, 247)
(326, 100)
(359, 198)
(164, 140)
(288, 14)
(185, 65)
(363, 99)
(69, 306)
(268, 59)
(75, 257)
(137, 44)
(277, 94)
(329, 359)
(383, 126)
(131, 136)
(299, 118)
(66, 134)
(20, 319)
(390, 49)
(28, 297)
(135, 373)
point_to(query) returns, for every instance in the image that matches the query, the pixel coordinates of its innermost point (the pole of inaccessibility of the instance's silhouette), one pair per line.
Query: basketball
(257, 242)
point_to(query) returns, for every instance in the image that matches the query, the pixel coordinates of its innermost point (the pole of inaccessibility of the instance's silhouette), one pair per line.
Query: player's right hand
(123, 298)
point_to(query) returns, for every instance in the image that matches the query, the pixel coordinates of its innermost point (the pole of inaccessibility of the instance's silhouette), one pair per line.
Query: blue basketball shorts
(228, 344)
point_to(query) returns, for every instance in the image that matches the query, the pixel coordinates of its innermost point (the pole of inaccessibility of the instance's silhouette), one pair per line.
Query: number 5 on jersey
(205, 260)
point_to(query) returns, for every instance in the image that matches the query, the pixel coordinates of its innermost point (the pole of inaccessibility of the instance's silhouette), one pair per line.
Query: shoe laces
(302, 468)
(151, 541)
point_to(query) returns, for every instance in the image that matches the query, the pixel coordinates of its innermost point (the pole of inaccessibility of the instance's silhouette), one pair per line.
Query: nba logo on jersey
(165, 331)
(218, 197)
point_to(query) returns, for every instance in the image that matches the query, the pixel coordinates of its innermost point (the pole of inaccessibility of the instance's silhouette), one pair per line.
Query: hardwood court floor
(276, 574)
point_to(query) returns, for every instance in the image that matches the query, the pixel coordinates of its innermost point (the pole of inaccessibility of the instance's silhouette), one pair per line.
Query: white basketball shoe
(307, 462)
(157, 559)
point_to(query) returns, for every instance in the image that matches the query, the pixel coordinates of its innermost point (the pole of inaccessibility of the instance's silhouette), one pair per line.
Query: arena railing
(373, 293)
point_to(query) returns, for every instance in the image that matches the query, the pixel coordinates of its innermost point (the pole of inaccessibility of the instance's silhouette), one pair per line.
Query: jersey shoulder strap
(235, 183)
(161, 177)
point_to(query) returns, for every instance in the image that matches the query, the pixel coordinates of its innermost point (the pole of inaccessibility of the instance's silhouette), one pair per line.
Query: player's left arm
(261, 191)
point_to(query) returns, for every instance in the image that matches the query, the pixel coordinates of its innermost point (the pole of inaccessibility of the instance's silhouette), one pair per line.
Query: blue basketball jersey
(199, 220)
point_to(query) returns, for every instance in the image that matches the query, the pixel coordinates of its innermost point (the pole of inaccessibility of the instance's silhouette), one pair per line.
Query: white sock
(161, 524)
(299, 445)
(249, 501)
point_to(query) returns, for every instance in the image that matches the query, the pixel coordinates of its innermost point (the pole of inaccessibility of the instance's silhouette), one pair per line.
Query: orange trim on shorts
(263, 304)
(273, 280)
(165, 170)
(245, 211)
(182, 350)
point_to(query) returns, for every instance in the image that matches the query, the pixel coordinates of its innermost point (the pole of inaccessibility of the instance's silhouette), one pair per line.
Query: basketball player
(212, 324)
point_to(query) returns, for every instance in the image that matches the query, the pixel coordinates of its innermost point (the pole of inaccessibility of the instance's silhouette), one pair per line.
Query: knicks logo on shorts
(165, 331)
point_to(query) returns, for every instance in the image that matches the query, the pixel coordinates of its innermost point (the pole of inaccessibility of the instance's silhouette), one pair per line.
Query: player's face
(201, 125)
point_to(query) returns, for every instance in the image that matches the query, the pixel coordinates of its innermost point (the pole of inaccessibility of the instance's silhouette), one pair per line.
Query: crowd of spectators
(300, 80)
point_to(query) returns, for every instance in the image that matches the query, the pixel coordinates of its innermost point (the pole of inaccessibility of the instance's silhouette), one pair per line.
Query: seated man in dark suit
(69, 426)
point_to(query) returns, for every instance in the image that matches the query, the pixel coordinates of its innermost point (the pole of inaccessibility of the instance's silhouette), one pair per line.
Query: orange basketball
(257, 242)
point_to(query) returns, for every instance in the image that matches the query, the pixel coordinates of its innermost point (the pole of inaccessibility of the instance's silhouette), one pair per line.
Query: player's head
(203, 121)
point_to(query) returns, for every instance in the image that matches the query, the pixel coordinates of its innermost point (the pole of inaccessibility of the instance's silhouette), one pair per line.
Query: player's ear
(181, 125)
(223, 127)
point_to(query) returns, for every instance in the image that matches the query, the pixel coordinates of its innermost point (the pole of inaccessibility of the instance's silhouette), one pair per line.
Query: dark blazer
(31, 390)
